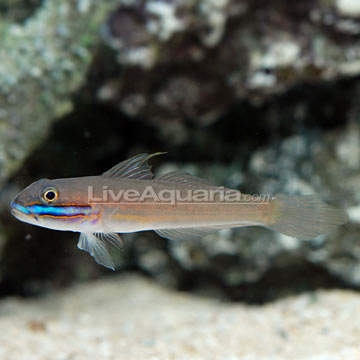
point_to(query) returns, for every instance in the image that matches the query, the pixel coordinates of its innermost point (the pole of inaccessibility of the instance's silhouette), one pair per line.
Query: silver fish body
(177, 206)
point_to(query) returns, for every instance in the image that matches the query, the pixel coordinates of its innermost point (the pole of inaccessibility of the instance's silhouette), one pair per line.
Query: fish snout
(16, 207)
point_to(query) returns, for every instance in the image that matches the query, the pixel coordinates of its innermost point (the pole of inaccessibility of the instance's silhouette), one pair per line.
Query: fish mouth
(17, 208)
(22, 213)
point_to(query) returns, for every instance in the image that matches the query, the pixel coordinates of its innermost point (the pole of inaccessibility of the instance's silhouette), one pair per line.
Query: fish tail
(304, 217)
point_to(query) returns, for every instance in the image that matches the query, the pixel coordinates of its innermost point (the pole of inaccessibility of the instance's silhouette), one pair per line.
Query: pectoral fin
(99, 246)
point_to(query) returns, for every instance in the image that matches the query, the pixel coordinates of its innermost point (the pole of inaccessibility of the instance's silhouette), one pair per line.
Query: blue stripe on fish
(19, 207)
(59, 210)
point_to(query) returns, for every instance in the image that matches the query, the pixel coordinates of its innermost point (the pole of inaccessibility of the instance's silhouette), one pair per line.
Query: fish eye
(50, 195)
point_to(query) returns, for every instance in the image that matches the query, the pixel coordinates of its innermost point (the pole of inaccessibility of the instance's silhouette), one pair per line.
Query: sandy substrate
(133, 318)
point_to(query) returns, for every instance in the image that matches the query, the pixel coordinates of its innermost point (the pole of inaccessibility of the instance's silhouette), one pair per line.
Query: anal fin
(191, 233)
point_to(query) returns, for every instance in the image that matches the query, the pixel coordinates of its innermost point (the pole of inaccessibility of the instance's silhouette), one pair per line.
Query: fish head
(54, 204)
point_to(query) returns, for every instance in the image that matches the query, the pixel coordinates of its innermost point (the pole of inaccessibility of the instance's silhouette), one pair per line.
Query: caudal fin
(305, 217)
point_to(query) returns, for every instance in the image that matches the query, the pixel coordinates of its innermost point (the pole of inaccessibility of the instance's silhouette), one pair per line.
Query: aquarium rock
(43, 60)
(194, 59)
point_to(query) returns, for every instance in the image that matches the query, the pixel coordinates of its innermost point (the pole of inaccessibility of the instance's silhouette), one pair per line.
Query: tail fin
(305, 217)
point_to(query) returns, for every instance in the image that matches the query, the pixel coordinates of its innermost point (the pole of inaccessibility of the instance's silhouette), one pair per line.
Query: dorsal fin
(177, 177)
(136, 167)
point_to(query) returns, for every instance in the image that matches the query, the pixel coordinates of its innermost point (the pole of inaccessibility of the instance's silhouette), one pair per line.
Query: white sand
(132, 318)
